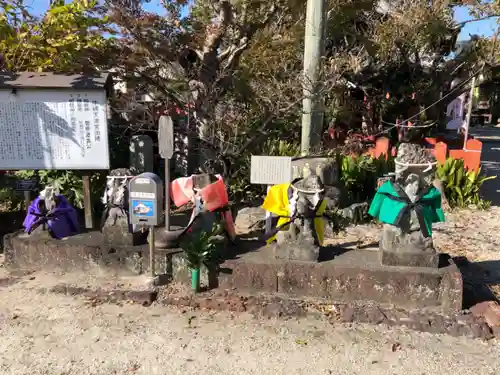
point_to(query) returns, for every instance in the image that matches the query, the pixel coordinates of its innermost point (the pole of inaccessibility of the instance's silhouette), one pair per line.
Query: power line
(435, 103)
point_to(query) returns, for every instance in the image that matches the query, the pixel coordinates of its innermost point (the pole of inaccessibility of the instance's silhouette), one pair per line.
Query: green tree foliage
(68, 37)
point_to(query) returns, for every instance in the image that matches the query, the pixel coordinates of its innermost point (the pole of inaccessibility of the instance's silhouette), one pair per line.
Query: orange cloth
(214, 197)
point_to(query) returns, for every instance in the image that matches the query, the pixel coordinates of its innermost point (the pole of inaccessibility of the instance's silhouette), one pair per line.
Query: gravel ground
(56, 335)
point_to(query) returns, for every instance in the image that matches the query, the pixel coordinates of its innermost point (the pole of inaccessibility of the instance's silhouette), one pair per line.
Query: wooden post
(312, 113)
(27, 199)
(89, 223)
(151, 241)
(166, 150)
(469, 112)
(269, 217)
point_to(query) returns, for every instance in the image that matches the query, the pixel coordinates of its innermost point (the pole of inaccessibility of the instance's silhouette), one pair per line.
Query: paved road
(490, 160)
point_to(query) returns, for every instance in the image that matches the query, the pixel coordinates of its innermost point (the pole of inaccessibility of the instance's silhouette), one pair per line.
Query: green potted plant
(201, 249)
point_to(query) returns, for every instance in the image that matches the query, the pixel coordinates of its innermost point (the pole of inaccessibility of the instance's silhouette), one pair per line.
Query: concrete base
(355, 275)
(351, 276)
(119, 235)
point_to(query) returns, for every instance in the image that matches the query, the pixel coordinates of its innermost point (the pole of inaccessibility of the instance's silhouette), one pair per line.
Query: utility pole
(469, 111)
(312, 111)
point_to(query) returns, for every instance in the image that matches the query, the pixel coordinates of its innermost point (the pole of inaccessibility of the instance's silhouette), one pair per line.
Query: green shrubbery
(462, 186)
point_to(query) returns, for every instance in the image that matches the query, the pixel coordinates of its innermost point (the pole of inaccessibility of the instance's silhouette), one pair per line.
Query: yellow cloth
(277, 201)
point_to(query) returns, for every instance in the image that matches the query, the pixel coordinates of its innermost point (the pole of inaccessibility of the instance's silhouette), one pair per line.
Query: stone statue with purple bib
(51, 213)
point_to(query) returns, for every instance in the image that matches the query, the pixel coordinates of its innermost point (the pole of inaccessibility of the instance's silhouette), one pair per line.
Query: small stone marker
(270, 170)
(26, 186)
(141, 154)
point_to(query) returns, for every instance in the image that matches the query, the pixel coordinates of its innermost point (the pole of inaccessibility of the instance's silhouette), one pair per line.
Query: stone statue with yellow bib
(299, 206)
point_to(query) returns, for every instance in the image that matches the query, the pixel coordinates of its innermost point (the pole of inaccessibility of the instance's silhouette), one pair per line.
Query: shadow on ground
(490, 161)
(478, 280)
(10, 222)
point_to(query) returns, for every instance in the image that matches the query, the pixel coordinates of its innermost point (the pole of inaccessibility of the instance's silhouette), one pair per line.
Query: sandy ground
(58, 335)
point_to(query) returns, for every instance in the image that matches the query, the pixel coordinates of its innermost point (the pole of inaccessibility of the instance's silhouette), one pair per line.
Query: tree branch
(214, 39)
(463, 23)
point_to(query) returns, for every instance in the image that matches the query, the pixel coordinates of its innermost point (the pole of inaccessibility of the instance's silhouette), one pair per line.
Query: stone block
(119, 235)
(406, 259)
(250, 218)
(325, 168)
(352, 276)
(489, 310)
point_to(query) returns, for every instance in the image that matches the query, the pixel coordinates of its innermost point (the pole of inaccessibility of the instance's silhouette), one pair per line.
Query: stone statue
(300, 207)
(115, 220)
(208, 195)
(408, 204)
(51, 214)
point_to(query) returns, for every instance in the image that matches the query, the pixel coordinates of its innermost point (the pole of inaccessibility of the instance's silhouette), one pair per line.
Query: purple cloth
(61, 222)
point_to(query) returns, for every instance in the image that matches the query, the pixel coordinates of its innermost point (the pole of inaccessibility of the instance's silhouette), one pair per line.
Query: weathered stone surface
(250, 218)
(489, 310)
(355, 213)
(325, 168)
(409, 259)
(354, 276)
(299, 239)
(119, 235)
(7, 281)
(75, 253)
(298, 248)
(141, 154)
(278, 307)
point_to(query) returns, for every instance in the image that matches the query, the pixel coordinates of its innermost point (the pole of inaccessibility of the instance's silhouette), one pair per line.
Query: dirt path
(56, 335)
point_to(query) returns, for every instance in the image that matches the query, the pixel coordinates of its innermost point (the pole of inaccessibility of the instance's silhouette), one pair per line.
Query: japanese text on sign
(270, 170)
(48, 129)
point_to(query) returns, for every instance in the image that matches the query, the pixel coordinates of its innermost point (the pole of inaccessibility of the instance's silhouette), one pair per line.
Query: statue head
(415, 165)
(117, 187)
(310, 192)
(48, 199)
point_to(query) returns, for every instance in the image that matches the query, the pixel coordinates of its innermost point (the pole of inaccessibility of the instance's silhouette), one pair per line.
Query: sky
(482, 28)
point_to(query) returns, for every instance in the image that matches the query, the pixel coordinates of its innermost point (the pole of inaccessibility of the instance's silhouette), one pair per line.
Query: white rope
(436, 102)
(429, 165)
(118, 177)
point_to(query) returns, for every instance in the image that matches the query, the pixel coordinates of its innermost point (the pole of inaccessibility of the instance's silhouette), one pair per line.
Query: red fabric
(181, 191)
(215, 195)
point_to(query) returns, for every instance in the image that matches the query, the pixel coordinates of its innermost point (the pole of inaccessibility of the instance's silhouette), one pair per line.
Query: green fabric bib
(391, 204)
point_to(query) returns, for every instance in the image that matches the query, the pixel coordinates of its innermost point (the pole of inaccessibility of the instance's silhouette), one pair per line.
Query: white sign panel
(166, 137)
(270, 170)
(139, 194)
(53, 129)
(455, 113)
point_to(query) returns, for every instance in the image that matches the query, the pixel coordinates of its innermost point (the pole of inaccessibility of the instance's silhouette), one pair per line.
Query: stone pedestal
(399, 248)
(430, 260)
(119, 235)
(293, 245)
(299, 250)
